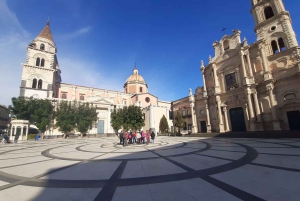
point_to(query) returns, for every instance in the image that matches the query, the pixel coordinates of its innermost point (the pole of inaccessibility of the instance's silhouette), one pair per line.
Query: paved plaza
(174, 168)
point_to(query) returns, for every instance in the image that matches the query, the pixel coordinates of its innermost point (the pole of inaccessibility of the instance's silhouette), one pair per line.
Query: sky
(99, 41)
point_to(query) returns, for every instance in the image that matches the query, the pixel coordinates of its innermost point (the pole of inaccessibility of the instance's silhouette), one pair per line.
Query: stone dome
(135, 77)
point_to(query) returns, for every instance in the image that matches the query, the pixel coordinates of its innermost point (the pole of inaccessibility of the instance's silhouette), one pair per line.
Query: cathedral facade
(41, 78)
(250, 87)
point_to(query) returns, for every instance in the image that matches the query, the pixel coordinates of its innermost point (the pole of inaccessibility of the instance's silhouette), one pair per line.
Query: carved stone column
(108, 119)
(249, 64)
(270, 89)
(226, 119)
(259, 126)
(223, 83)
(207, 118)
(192, 104)
(202, 68)
(221, 124)
(267, 74)
(151, 119)
(243, 65)
(250, 108)
(217, 85)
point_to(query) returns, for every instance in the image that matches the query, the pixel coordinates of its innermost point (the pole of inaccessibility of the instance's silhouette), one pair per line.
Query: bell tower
(41, 73)
(273, 25)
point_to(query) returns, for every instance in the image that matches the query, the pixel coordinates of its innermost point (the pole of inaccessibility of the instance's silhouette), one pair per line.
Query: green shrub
(31, 136)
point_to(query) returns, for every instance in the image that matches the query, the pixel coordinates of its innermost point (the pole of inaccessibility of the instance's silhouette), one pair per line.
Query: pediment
(103, 101)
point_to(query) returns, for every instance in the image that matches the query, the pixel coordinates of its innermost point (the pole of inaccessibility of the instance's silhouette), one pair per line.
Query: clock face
(147, 99)
(35, 96)
(201, 112)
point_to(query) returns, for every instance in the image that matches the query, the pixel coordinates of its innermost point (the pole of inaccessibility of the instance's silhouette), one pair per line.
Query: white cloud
(76, 33)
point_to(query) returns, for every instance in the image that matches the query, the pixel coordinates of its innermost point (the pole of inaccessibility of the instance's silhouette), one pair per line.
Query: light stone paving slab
(19, 161)
(241, 149)
(27, 193)
(280, 161)
(2, 183)
(198, 162)
(283, 179)
(224, 154)
(35, 169)
(118, 156)
(289, 151)
(77, 155)
(153, 167)
(187, 190)
(177, 151)
(86, 171)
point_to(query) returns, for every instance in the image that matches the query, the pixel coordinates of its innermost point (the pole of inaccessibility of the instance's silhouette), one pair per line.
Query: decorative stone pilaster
(151, 119)
(270, 89)
(108, 119)
(202, 68)
(258, 123)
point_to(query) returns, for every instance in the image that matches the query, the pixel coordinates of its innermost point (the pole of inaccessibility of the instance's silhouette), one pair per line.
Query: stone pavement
(174, 168)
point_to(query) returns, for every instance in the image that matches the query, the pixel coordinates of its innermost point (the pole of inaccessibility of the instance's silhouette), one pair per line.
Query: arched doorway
(237, 119)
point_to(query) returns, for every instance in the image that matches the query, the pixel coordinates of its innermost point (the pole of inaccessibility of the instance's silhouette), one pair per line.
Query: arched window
(268, 12)
(141, 89)
(40, 84)
(37, 63)
(226, 45)
(34, 82)
(42, 47)
(278, 46)
(64, 96)
(42, 62)
(82, 97)
(281, 45)
(274, 47)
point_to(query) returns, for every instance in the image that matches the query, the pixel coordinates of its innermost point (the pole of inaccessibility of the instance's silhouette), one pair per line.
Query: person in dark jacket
(152, 137)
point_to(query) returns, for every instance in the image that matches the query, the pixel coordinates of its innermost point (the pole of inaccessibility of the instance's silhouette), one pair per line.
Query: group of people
(137, 137)
(5, 139)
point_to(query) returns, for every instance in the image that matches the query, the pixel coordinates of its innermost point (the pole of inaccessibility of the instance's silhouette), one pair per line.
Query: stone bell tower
(273, 24)
(41, 73)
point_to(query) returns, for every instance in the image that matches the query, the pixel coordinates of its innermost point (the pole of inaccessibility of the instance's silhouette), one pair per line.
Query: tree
(163, 124)
(116, 119)
(86, 115)
(135, 118)
(129, 117)
(66, 116)
(37, 111)
(179, 121)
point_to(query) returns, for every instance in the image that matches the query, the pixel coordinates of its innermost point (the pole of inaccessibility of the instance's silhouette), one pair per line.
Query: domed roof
(135, 77)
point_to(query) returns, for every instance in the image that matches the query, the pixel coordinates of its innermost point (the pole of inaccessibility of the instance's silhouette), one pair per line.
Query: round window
(147, 99)
(273, 28)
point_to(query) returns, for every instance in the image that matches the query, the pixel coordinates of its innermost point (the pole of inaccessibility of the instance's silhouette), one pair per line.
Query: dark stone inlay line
(232, 190)
(228, 150)
(215, 157)
(25, 163)
(108, 190)
(276, 167)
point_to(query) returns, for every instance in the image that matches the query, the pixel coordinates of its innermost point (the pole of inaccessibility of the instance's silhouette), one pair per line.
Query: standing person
(138, 136)
(121, 137)
(134, 137)
(130, 138)
(143, 137)
(152, 137)
(16, 138)
(124, 139)
(147, 136)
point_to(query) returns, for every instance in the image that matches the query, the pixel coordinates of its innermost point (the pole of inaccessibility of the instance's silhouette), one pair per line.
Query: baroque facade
(41, 78)
(250, 87)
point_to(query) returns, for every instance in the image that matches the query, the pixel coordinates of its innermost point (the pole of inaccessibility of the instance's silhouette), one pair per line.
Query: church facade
(41, 78)
(250, 87)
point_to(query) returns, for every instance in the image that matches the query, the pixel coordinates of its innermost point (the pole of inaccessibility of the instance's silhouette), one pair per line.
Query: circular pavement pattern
(171, 168)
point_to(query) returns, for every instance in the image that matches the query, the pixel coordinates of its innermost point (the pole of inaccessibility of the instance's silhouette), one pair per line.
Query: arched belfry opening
(268, 12)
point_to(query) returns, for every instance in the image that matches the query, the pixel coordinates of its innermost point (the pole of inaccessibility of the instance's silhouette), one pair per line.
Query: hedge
(31, 136)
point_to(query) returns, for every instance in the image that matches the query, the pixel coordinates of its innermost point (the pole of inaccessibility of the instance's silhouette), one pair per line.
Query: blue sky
(99, 42)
